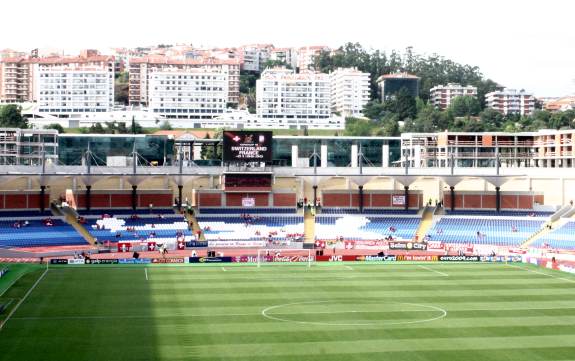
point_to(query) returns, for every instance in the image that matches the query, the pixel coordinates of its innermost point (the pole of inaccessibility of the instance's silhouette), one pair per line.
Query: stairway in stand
(309, 225)
(191, 218)
(425, 223)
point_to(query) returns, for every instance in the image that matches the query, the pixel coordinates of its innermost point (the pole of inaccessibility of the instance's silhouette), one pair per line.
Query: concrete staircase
(73, 221)
(309, 226)
(556, 220)
(191, 218)
(425, 223)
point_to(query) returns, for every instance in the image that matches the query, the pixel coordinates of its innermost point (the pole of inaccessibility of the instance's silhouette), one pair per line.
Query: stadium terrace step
(426, 222)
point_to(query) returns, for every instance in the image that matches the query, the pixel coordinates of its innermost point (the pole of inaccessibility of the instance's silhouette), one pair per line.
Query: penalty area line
(146, 272)
(432, 270)
(23, 299)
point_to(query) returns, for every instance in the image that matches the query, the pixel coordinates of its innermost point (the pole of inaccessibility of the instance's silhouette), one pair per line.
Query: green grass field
(327, 312)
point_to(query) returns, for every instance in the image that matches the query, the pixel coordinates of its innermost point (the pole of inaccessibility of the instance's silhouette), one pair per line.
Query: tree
(11, 117)
(121, 88)
(358, 127)
(56, 126)
(166, 125)
(466, 105)
(404, 104)
(274, 63)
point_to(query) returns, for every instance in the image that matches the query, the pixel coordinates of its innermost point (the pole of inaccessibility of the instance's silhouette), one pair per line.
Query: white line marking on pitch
(224, 269)
(146, 271)
(542, 273)
(23, 299)
(432, 270)
(349, 268)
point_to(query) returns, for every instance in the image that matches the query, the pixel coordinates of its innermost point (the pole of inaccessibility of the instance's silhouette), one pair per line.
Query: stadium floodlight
(285, 256)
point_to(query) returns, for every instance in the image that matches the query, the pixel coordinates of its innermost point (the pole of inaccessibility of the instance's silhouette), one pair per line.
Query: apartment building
(141, 71)
(442, 95)
(253, 57)
(295, 99)
(391, 84)
(511, 101)
(349, 91)
(306, 56)
(28, 146)
(66, 86)
(547, 148)
(16, 80)
(285, 55)
(197, 93)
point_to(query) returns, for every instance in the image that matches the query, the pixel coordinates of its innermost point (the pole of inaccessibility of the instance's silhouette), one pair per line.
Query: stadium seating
(562, 237)
(365, 228)
(115, 228)
(238, 228)
(464, 212)
(24, 214)
(336, 210)
(500, 231)
(35, 233)
(252, 210)
(125, 211)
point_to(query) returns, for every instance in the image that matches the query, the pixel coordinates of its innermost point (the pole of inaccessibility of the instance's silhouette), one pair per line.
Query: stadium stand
(125, 211)
(33, 232)
(365, 228)
(252, 210)
(562, 237)
(500, 231)
(337, 210)
(136, 228)
(471, 212)
(249, 227)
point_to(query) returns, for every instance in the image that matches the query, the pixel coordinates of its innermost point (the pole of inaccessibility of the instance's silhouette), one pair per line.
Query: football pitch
(395, 311)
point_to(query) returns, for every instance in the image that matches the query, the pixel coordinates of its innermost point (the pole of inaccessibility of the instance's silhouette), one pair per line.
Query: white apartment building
(442, 95)
(511, 101)
(349, 91)
(141, 71)
(294, 99)
(286, 55)
(199, 93)
(69, 86)
(306, 56)
(254, 57)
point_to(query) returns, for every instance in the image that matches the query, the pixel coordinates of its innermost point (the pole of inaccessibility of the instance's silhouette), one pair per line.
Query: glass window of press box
(152, 149)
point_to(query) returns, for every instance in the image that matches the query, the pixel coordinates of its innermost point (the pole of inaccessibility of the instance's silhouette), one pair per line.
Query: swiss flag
(349, 244)
(151, 246)
(181, 245)
(319, 244)
(124, 246)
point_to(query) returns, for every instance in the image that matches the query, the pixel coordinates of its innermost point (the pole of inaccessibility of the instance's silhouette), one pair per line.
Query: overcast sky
(520, 44)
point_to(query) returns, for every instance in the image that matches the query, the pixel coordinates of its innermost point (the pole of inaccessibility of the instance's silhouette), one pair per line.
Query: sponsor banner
(59, 261)
(470, 248)
(368, 244)
(134, 261)
(288, 259)
(567, 268)
(102, 261)
(181, 245)
(375, 258)
(248, 202)
(167, 260)
(501, 259)
(397, 200)
(517, 250)
(458, 258)
(408, 257)
(319, 244)
(196, 244)
(76, 261)
(407, 246)
(210, 259)
(435, 245)
(245, 259)
(239, 244)
(152, 246)
(335, 258)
